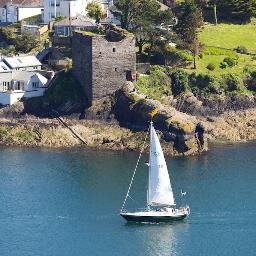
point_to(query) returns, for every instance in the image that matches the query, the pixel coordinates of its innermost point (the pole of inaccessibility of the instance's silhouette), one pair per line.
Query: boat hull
(151, 218)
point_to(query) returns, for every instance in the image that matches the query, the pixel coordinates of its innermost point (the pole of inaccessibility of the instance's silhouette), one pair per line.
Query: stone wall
(100, 65)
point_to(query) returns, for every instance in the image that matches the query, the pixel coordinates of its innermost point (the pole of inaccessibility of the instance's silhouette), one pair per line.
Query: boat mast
(149, 168)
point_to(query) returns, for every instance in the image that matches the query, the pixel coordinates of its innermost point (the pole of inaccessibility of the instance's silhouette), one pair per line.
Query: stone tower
(101, 62)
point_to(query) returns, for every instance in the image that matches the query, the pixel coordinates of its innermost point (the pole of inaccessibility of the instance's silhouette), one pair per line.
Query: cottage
(18, 85)
(80, 23)
(16, 10)
(25, 63)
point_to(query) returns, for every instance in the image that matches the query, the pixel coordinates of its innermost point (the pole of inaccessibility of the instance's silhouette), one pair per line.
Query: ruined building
(102, 63)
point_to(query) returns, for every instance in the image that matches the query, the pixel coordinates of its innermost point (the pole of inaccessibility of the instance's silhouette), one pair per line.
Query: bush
(217, 52)
(241, 49)
(156, 84)
(211, 66)
(223, 65)
(231, 62)
(206, 83)
(180, 82)
(176, 57)
(231, 82)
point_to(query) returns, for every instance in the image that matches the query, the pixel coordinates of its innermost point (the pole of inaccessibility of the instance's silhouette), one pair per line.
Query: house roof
(24, 3)
(3, 67)
(79, 21)
(20, 62)
(27, 75)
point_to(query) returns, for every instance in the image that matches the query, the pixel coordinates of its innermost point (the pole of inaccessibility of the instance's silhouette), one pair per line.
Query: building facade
(65, 8)
(17, 85)
(101, 65)
(16, 10)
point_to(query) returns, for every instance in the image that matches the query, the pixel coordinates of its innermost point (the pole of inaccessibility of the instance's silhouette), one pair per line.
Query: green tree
(146, 20)
(190, 19)
(94, 11)
(26, 42)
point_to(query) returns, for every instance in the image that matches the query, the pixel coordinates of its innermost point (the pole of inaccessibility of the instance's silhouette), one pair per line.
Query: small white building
(15, 10)
(65, 8)
(25, 63)
(17, 85)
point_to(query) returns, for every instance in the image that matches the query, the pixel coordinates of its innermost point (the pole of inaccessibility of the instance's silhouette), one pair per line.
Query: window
(6, 86)
(114, 49)
(35, 84)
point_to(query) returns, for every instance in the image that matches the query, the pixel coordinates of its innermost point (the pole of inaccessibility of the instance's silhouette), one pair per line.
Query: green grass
(243, 61)
(230, 36)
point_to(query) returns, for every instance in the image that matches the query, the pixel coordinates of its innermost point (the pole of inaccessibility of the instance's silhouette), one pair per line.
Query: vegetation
(23, 42)
(94, 11)
(156, 84)
(65, 89)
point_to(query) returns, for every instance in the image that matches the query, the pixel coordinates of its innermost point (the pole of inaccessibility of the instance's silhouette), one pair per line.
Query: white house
(17, 85)
(28, 63)
(15, 10)
(65, 8)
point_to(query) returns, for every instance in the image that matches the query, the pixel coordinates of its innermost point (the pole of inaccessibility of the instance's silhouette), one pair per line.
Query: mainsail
(159, 190)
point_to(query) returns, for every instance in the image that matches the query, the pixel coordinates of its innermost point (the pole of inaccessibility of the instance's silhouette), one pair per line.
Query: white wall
(12, 13)
(2, 15)
(26, 12)
(77, 7)
(9, 98)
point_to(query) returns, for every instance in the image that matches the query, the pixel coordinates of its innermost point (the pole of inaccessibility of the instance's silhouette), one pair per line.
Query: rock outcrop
(134, 110)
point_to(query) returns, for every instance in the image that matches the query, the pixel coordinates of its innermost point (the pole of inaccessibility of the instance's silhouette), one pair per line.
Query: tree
(189, 20)
(26, 42)
(94, 11)
(146, 20)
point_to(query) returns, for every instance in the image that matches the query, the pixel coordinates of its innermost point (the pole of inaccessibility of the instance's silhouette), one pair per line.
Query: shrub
(231, 62)
(176, 57)
(241, 49)
(231, 82)
(223, 65)
(156, 84)
(180, 82)
(211, 66)
(253, 74)
(217, 52)
(206, 83)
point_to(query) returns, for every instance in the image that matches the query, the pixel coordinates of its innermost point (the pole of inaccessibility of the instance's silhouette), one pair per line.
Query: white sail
(159, 190)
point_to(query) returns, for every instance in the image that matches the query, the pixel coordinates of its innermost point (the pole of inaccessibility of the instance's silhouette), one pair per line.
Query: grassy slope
(227, 36)
(230, 36)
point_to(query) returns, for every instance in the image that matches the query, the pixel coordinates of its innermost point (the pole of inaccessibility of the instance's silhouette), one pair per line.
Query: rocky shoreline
(31, 131)
(120, 122)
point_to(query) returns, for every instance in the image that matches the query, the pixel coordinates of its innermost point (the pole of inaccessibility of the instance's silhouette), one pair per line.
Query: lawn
(229, 36)
(226, 36)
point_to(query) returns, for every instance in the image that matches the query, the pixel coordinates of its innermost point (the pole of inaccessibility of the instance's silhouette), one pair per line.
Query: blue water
(59, 203)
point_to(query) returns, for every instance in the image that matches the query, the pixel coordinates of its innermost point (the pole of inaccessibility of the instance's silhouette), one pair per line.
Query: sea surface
(66, 203)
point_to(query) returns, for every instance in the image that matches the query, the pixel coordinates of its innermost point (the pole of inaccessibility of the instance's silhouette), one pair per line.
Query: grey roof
(78, 21)
(25, 75)
(22, 61)
(4, 67)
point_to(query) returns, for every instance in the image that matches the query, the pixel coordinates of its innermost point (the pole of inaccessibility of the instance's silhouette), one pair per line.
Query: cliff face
(184, 132)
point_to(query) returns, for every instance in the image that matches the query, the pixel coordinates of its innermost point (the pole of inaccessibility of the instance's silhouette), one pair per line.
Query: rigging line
(127, 194)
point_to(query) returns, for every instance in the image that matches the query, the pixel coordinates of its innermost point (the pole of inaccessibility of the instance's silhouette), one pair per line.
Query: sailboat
(161, 206)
